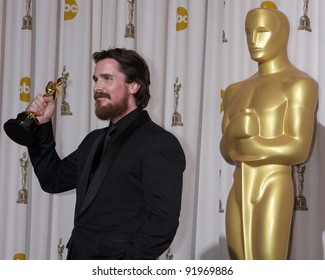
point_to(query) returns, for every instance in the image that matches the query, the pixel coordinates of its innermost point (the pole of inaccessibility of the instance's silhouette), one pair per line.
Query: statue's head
(267, 32)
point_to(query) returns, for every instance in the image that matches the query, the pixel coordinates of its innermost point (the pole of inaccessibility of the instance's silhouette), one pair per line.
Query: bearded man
(129, 189)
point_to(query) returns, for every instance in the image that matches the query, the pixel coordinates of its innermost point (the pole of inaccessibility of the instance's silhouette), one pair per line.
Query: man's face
(262, 34)
(111, 92)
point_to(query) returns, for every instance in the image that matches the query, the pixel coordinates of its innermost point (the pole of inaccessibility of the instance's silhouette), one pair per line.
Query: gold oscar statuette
(65, 106)
(300, 200)
(27, 22)
(177, 117)
(60, 249)
(23, 193)
(21, 130)
(304, 21)
(129, 28)
(169, 255)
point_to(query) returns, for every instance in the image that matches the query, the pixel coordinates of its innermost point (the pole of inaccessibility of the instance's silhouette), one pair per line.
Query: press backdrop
(196, 46)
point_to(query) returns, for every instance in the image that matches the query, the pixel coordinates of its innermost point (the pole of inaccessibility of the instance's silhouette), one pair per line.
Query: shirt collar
(124, 122)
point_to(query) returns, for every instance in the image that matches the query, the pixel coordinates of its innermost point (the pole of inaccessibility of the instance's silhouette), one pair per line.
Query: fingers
(39, 105)
(43, 107)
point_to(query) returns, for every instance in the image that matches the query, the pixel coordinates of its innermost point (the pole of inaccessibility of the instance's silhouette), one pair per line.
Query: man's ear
(134, 87)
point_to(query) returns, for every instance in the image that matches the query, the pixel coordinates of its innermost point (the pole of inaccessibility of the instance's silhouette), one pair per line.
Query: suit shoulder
(155, 129)
(152, 133)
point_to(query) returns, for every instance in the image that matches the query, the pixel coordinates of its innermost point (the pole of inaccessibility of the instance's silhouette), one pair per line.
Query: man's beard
(111, 111)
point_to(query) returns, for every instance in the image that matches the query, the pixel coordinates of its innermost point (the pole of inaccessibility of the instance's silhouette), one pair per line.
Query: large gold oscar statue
(267, 128)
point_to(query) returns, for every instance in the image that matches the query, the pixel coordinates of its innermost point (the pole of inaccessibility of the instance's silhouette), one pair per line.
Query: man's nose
(98, 86)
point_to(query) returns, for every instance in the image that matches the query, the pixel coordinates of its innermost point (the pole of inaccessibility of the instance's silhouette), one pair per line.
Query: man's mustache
(101, 94)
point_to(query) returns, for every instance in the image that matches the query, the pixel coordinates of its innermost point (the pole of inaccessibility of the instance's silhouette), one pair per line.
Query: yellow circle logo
(70, 9)
(181, 19)
(25, 89)
(19, 256)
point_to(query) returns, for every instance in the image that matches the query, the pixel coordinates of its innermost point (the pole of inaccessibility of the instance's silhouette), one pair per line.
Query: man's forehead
(108, 65)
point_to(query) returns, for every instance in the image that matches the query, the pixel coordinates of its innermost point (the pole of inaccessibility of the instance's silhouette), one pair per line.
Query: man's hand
(43, 107)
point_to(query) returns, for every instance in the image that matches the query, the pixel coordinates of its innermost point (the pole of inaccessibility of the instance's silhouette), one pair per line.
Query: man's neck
(129, 110)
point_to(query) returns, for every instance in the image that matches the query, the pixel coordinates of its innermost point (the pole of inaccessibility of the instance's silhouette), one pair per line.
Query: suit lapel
(85, 173)
(103, 168)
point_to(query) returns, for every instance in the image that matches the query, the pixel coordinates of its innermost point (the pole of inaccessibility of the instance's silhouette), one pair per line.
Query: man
(267, 128)
(129, 199)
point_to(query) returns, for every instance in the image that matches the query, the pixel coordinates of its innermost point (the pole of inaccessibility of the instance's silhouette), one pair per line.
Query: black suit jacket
(130, 209)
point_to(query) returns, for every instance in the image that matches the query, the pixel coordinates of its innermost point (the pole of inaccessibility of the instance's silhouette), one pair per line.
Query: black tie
(107, 139)
(103, 147)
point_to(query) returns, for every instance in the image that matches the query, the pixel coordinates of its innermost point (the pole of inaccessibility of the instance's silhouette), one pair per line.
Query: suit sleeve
(163, 169)
(55, 175)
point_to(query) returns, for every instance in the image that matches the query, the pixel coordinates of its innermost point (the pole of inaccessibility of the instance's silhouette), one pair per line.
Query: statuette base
(301, 203)
(22, 129)
(177, 119)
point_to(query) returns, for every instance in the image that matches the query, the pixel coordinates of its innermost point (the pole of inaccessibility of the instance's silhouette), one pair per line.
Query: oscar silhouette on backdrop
(267, 128)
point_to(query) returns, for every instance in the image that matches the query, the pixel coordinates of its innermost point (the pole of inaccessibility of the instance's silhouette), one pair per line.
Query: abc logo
(25, 89)
(70, 9)
(182, 19)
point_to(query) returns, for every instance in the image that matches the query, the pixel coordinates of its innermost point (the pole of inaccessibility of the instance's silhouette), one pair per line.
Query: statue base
(177, 119)
(21, 130)
(22, 196)
(301, 203)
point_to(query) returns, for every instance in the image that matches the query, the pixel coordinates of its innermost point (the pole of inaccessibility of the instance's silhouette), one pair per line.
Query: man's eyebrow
(104, 75)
